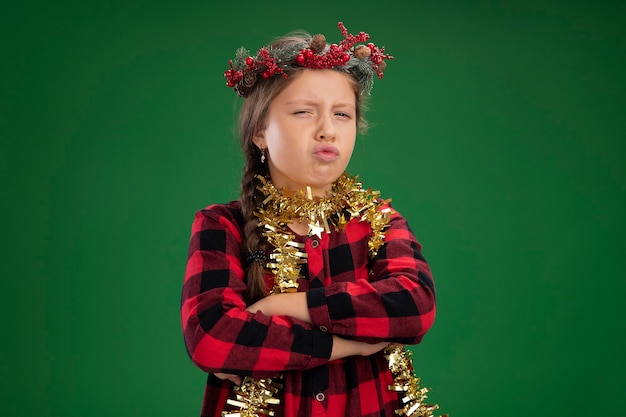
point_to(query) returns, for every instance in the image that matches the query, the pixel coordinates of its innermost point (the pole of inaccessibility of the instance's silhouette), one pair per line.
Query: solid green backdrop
(498, 130)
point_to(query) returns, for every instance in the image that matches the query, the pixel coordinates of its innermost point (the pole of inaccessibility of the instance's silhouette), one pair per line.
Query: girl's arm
(341, 348)
(395, 304)
(220, 335)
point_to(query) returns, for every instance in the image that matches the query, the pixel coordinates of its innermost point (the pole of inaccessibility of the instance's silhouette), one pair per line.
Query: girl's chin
(320, 181)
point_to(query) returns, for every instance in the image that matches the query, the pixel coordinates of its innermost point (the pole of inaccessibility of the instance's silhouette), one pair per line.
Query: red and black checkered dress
(394, 303)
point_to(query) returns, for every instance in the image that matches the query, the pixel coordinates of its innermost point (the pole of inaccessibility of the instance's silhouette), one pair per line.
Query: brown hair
(252, 117)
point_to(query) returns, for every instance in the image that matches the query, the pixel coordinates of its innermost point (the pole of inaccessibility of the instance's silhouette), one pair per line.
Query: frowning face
(310, 130)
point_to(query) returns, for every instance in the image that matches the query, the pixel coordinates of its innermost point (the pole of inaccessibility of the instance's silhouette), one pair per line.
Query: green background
(498, 131)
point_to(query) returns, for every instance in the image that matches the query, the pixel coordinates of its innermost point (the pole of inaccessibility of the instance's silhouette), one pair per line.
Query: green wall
(498, 131)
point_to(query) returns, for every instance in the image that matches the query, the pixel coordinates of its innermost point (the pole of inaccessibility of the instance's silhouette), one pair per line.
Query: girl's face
(310, 130)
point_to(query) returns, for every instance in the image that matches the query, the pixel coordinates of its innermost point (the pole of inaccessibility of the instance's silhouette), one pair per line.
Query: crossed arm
(295, 305)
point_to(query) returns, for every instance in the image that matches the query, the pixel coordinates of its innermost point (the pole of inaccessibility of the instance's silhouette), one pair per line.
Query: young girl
(298, 298)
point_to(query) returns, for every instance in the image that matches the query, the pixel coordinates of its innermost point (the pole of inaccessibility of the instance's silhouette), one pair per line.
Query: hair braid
(253, 239)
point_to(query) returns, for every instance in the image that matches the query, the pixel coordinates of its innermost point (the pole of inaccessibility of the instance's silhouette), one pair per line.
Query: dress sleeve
(395, 303)
(219, 334)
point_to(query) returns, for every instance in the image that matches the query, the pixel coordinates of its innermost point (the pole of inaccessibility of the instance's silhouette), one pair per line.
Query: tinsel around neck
(279, 208)
(348, 200)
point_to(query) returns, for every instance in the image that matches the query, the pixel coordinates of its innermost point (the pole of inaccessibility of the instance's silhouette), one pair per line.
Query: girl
(292, 294)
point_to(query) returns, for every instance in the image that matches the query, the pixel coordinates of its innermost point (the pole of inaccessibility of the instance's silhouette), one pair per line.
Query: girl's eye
(342, 114)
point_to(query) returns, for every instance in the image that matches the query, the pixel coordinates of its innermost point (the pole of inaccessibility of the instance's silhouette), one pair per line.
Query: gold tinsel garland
(254, 397)
(276, 212)
(404, 380)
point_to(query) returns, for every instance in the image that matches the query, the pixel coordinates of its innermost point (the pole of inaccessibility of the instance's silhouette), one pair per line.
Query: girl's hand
(235, 379)
(285, 304)
(343, 348)
(370, 349)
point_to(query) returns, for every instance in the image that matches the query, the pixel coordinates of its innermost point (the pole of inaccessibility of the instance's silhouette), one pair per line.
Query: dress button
(323, 328)
(315, 243)
(320, 396)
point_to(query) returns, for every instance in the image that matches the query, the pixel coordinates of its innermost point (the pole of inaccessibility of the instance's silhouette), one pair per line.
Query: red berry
(300, 59)
(249, 61)
(265, 74)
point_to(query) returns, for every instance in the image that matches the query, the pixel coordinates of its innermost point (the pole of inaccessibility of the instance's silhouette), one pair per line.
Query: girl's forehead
(319, 85)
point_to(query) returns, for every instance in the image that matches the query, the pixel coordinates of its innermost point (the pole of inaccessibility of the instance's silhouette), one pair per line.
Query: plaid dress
(388, 298)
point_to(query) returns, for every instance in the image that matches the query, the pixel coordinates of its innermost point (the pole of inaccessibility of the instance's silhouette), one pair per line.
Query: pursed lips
(326, 153)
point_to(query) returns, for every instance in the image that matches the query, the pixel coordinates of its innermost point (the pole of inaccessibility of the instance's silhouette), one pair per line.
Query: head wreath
(362, 61)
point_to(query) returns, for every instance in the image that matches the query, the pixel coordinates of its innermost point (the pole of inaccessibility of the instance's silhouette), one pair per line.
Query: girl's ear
(259, 140)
